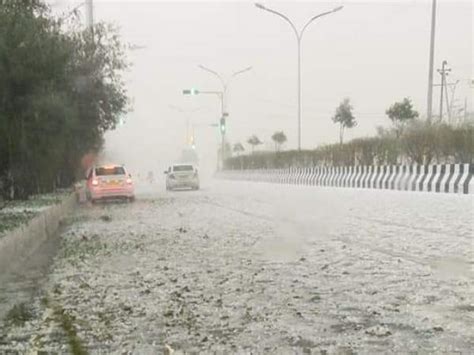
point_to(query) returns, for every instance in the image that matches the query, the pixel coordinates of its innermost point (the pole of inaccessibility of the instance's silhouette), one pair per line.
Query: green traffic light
(190, 91)
(222, 125)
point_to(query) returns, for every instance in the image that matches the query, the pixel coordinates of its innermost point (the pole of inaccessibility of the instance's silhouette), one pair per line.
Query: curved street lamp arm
(213, 72)
(241, 71)
(262, 7)
(316, 17)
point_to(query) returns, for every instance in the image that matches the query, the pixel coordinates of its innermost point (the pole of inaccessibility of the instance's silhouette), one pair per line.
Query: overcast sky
(374, 52)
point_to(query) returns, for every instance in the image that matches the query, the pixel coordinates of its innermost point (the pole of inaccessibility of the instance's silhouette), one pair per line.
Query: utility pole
(449, 102)
(430, 71)
(452, 100)
(448, 107)
(443, 72)
(453, 91)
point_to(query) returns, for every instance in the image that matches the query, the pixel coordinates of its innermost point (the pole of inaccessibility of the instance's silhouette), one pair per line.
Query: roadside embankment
(28, 228)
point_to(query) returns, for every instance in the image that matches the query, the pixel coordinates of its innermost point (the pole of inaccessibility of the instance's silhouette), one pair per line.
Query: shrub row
(421, 143)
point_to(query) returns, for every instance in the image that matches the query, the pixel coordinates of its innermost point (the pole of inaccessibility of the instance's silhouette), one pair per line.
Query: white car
(182, 176)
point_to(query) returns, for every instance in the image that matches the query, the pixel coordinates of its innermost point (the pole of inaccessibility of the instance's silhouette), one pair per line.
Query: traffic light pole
(223, 97)
(222, 124)
(220, 94)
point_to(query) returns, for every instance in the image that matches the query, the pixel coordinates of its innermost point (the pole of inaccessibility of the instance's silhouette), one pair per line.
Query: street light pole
(429, 108)
(299, 91)
(299, 36)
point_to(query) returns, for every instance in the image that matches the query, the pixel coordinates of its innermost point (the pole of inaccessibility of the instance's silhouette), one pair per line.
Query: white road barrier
(446, 178)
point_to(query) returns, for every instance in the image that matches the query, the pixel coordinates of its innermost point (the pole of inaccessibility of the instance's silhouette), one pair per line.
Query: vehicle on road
(180, 176)
(108, 182)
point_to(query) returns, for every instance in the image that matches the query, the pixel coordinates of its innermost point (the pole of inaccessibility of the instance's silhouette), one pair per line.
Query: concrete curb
(22, 242)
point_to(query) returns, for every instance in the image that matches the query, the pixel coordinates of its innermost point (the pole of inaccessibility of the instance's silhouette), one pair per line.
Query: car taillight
(129, 181)
(95, 182)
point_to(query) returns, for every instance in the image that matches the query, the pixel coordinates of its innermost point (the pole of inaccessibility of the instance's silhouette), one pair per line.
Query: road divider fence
(442, 178)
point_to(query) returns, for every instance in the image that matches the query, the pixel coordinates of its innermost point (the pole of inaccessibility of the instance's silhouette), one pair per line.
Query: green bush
(420, 143)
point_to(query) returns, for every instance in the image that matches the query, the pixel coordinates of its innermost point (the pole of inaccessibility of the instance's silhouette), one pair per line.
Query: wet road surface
(240, 268)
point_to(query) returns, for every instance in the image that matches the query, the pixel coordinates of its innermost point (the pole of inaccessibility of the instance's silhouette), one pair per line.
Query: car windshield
(179, 168)
(105, 171)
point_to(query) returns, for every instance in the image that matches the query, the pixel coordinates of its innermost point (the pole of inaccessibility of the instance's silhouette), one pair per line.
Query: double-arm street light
(299, 36)
(225, 84)
(222, 95)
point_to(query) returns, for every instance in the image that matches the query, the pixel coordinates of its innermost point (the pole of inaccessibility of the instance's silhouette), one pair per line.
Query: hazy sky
(374, 52)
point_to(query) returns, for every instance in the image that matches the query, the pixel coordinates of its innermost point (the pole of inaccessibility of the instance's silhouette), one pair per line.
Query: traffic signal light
(191, 91)
(222, 125)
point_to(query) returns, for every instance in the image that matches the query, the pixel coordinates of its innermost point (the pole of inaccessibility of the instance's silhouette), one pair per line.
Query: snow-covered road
(246, 267)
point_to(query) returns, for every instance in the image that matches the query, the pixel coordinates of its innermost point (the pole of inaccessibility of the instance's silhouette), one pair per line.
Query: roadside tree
(400, 113)
(344, 117)
(279, 138)
(254, 141)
